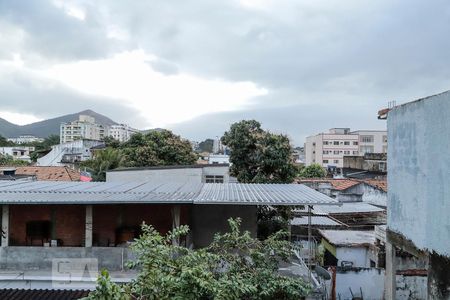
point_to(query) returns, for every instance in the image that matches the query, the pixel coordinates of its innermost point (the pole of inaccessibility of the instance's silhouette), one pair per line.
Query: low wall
(40, 258)
(369, 280)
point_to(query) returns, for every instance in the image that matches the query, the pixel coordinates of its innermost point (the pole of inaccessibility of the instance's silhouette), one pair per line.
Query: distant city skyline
(299, 67)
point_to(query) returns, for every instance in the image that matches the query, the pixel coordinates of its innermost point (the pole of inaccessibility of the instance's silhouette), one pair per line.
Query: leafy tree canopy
(234, 266)
(103, 161)
(206, 146)
(259, 156)
(313, 171)
(8, 160)
(157, 148)
(4, 142)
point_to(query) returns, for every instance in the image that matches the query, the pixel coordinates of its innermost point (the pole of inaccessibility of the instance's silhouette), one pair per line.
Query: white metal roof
(315, 220)
(347, 208)
(34, 192)
(349, 237)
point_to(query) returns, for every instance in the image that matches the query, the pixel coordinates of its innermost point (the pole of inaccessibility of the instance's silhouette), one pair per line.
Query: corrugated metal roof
(348, 208)
(349, 237)
(315, 220)
(157, 192)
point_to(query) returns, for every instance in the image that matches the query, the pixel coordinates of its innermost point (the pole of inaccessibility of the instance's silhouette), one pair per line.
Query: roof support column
(176, 222)
(88, 227)
(5, 225)
(390, 287)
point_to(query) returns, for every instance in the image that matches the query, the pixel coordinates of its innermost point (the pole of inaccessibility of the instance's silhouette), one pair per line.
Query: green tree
(8, 160)
(104, 160)
(206, 146)
(258, 156)
(234, 266)
(158, 148)
(4, 142)
(313, 171)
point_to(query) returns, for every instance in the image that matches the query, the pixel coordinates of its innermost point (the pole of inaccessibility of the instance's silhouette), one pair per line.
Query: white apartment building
(328, 149)
(25, 139)
(121, 132)
(84, 128)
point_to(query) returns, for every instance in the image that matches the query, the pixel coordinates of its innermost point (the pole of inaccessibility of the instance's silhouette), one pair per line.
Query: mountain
(48, 127)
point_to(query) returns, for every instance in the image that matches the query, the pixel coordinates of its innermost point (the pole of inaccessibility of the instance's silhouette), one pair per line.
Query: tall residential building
(121, 132)
(328, 149)
(84, 128)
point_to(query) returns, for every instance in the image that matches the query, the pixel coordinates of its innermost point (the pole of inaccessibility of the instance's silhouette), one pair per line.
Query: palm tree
(103, 161)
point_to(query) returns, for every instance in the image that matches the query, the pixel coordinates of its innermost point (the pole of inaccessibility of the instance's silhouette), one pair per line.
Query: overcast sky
(299, 67)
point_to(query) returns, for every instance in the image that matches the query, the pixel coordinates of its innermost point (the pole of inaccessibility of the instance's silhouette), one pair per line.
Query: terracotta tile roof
(50, 173)
(337, 184)
(379, 184)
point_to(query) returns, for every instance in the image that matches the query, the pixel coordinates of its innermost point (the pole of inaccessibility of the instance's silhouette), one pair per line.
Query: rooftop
(50, 192)
(348, 237)
(170, 167)
(348, 208)
(49, 173)
(336, 184)
(315, 220)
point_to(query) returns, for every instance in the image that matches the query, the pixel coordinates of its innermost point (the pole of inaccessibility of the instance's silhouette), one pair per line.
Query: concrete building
(84, 128)
(328, 149)
(25, 139)
(202, 173)
(42, 221)
(215, 159)
(68, 154)
(418, 227)
(121, 132)
(17, 152)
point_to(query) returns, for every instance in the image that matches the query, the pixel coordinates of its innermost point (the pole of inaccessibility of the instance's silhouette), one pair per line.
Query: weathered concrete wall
(411, 287)
(369, 280)
(194, 174)
(40, 258)
(419, 172)
(374, 196)
(206, 220)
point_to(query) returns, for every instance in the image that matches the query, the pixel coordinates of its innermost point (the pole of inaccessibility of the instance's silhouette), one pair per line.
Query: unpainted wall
(369, 280)
(419, 172)
(206, 220)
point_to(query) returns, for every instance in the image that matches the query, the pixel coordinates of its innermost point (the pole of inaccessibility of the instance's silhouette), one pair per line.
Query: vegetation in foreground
(234, 266)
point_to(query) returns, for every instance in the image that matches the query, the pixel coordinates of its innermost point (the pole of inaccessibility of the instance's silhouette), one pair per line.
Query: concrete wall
(206, 220)
(40, 258)
(360, 256)
(411, 287)
(370, 280)
(194, 174)
(374, 196)
(419, 172)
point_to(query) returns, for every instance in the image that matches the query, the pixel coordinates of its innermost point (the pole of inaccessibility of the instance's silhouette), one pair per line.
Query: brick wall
(70, 221)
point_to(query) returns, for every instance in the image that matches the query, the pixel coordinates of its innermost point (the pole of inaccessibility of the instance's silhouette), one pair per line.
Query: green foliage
(234, 266)
(258, 156)
(104, 160)
(158, 148)
(4, 142)
(42, 148)
(108, 290)
(8, 160)
(313, 171)
(206, 146)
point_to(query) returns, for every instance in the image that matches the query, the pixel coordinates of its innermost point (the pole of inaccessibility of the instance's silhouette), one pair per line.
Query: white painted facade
(121, 132)
(214, 159)
(419, 172)
(25, 139)
(18, 152)
(68, 153)
(328, 149)
(188, 174)
(84, 128)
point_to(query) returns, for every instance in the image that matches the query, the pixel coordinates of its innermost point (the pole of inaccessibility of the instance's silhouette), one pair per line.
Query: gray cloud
(325, 63)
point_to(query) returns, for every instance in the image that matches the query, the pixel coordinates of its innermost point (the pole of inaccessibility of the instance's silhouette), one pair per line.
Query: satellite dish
(323, 273)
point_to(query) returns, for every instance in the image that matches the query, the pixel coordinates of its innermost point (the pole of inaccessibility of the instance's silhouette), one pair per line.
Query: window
(325, 151)
(355, 143)
(325, 142)
(346, 152)
(314, 144)
(367, 138)
(384, 138)
(325, 161)
(336, 152)
(336, 143)
(336, 161)
(214, 178)
(367, 149)
(346, 143)
(355, 152)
